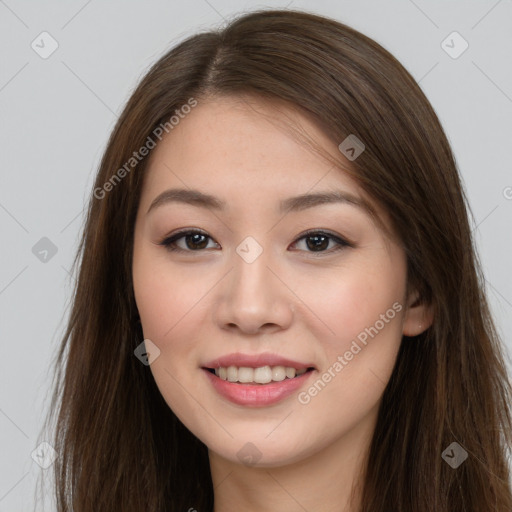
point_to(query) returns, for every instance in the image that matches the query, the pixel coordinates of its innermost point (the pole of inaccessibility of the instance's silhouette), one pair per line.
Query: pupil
(195, 241)
(317, 244)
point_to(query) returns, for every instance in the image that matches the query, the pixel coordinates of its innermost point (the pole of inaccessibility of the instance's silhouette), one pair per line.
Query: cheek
(350, 300)
(163, 298)
(172, 305)
(359, 361)
(167, 317)
(358, 366)
(363, 311)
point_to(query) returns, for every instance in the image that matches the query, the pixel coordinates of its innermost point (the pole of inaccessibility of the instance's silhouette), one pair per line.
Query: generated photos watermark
(138, 156)
(304, 397)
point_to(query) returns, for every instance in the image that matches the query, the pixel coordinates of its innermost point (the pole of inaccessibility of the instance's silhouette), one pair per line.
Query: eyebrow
(291, 204)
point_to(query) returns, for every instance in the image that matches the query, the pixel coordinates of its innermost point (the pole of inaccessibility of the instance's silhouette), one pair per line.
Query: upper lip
(255, 361)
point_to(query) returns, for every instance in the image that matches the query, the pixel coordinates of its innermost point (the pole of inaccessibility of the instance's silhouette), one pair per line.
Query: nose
(254, 298)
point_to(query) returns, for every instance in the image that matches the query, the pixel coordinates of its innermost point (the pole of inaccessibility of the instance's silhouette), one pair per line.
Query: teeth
(290, 372)
(278, 373)
(245, 374)
(261, 375)
(232, 374)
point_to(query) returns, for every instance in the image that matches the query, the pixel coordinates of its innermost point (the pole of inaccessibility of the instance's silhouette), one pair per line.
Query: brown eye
(193, 241)
(319, 241)
(196, 241)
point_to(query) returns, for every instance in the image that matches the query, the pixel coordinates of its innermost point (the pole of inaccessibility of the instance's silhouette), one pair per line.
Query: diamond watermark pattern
(351, 147)
(454, 45)
(44, 45)
(44, 250)
(44, 455)
(249, 454)
(454, 455)
(249, 249)
(147, 352)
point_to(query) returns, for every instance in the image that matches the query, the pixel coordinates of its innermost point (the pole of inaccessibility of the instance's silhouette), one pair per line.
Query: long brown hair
(121, 447)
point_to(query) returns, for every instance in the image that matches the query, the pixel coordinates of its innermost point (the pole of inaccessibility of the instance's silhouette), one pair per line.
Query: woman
(279, 305)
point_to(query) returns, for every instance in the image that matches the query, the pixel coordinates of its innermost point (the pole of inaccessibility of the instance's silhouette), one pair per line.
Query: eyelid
(172, 238)
(319, 231)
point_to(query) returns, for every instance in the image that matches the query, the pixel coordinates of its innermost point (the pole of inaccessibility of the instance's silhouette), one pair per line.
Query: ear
(418, 316)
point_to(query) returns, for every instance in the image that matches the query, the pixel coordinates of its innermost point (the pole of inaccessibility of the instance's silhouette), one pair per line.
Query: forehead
(247, 150)
(247, 140)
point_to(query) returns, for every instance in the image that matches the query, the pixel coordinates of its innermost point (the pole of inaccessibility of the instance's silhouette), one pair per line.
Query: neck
(323, 481)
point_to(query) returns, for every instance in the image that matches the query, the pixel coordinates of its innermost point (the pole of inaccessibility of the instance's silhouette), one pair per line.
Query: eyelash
(169, 242)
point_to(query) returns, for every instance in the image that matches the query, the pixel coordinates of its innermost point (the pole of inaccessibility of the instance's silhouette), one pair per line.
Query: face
(252, 279)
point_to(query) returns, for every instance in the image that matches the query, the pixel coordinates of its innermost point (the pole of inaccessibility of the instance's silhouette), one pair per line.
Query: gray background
(57, 114)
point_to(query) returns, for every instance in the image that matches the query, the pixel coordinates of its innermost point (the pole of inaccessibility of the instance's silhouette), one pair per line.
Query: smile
(260, 375)
(256, 394)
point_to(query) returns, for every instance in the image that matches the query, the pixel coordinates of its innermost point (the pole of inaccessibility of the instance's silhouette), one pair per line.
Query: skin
(292, 300)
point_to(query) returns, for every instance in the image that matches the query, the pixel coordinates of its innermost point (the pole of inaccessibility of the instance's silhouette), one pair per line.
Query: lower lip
(257, 395)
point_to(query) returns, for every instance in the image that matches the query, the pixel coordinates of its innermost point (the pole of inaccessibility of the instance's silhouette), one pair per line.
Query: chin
(262, 452)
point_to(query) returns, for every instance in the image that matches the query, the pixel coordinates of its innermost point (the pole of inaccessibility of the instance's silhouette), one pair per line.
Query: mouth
(261, 375)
